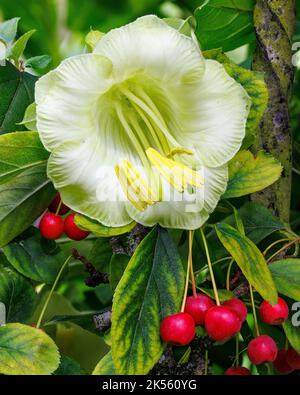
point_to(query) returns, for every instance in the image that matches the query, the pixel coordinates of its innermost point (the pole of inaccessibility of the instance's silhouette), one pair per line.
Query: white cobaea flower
(142, 128)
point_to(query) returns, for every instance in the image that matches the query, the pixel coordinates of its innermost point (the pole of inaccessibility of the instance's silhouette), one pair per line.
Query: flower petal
(188, 213)
(83, 174)
(213, 115)
(151, 46)
(66, 96)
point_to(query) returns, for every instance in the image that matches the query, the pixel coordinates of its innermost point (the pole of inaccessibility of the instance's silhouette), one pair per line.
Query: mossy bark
(274, 22)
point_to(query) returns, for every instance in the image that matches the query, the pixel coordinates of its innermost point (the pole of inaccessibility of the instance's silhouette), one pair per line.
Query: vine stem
(254, 311)
(191, 236)
(51, 292)
(274, 244)
(228, 275)
(188, 270)
(58, 207)
(286, 246)
(210, 269)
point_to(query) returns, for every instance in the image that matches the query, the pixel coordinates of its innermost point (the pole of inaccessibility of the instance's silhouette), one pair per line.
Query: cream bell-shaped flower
(142, 128)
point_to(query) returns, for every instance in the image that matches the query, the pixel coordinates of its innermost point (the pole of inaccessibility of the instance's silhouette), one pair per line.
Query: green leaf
(258, 221)
(79, 344)
(38, 62)
(223, 294)
(8, 30)
(150, 289)
(100, 230)
(82, 319)
(118, 264)
(25, 190)
(105, 366)
(16, 93)
(292, 332)
(286, 274)
(225, 24)
(20, 151)
(92, 38)
(253, 83)
(182, 25)
(250, 260)
(68, 367)
(35, 257)
(245, 173)
(26, 351)
(100, 254)
(29, 119)
(17, 294)
(19, 46)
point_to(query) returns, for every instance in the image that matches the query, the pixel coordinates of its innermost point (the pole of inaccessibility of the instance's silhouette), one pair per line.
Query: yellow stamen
(136, 189)
(179, 151)
(175, 173)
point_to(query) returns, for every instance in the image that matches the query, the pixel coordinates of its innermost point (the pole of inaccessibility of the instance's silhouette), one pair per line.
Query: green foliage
(17, 294)
(223, 294)
(26, 351)
(225, 24)
(250, 260)
(25, 256)
(150, 289)
(8, 30)
(100, 230)
(100, 254)
(19, 46)
(17, 92)
(29, 119)
(246, 170)
(25, 190)
(149, 285)
(258, 221)
(105, 366)
(68, 367)
(92, 39)
(293, 335)
(38, 62)
(286, 274)
(118, 264)
(183, 26)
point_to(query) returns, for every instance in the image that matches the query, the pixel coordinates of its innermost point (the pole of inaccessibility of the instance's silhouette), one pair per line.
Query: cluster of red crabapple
(52, 225)
(223, 322)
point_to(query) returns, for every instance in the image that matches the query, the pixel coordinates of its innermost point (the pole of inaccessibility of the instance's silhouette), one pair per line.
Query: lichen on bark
(274, 22)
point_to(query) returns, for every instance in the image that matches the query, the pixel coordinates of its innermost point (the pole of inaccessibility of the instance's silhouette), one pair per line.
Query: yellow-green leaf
(100, 230)
(105, 366)
(249, 174)
(29, 119)
(292, 332)
(26, 351)
(250, 260)
(19, 46)
(286, 274)
(92, 38)
(182, 25)
(150, 289)
(253, 83)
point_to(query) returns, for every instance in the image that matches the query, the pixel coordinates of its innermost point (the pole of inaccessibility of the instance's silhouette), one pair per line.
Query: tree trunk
(274, 22)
